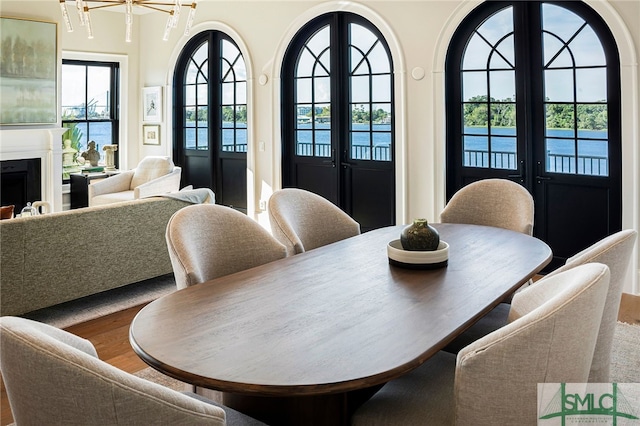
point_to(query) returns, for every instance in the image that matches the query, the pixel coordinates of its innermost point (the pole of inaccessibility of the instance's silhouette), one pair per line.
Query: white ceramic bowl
(418, 259)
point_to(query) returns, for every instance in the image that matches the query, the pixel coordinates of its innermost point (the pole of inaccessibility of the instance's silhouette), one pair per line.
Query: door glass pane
(505, 52)
(474, 85)
(381, 85)
(233, 82)
(370, 129)
(591, 85)
(560, 21)
(560, 153)
(476, 118)
(475, 151)
(555, 54)
(502, 85)
(304, 90)
(497, 26)
(558, 85)
(592, 154)
(560, 117)
(313, 97)
(587, 48)
(488, 95)
(476, 54)
(575, 96)
(321, 89)
(503, 149)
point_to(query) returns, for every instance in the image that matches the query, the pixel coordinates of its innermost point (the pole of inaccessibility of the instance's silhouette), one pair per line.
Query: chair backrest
(150, 168)
(302, 220)
(207, 241)
(497, 375)
(53, 377)
(493, 202)
(615, 252)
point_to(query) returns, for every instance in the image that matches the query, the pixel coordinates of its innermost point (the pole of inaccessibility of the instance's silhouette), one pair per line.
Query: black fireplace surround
(20, 182)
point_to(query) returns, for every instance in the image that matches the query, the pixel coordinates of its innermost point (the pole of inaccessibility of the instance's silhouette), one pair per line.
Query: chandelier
(172, 8)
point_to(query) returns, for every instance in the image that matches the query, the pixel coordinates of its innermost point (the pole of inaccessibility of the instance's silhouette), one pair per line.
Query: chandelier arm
(157, 9)
(84, 17)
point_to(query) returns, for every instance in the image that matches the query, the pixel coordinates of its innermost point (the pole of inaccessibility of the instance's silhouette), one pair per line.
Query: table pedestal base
(315, 410)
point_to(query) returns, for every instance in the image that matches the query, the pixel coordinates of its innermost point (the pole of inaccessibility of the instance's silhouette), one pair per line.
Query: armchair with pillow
(152, 176)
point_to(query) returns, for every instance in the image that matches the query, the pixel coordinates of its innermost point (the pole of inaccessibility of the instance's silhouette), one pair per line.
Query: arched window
(210, 135)
(533, 95)
(337, 109)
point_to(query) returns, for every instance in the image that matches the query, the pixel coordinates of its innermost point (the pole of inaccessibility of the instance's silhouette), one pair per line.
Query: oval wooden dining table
(306, 339)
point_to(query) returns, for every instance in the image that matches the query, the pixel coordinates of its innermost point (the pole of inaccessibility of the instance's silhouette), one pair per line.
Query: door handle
(539, 177)
(332, 160)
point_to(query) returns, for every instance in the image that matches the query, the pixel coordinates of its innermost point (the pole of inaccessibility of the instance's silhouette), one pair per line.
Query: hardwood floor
(110, 336)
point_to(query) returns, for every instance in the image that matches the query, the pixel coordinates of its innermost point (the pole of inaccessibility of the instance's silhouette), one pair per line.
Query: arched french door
(337, 117)
(533, 95)
(210, 116)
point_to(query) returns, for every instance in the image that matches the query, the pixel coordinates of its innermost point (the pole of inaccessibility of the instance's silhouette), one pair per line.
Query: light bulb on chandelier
(171, 8)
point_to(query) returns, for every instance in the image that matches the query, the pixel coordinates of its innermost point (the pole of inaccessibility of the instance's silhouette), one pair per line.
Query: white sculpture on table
(68, 153)
(110, 156)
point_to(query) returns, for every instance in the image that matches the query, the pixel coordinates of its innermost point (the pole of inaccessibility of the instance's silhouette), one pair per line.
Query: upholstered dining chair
(152, 176)
(302, 220)
(207, 241)
(613, 251)
(493, 202)
(53, 377)
(493, 381)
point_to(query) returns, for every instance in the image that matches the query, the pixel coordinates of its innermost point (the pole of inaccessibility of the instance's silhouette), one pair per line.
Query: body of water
(590, 143)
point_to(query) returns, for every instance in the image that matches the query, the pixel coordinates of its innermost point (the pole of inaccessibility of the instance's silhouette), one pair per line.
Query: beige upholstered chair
(53, 377)
(208, 241)
(152, 176)
(302, 220)
(613, 251)
(493, 202)
(494, 380)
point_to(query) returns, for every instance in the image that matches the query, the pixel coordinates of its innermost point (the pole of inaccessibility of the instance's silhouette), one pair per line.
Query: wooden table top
(335, 319)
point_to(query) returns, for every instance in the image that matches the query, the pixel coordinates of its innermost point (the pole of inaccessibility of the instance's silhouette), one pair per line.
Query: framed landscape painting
(28, 66)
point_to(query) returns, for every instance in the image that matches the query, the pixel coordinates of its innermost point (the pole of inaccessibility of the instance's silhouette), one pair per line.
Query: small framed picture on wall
(152, 104)
(151, 134)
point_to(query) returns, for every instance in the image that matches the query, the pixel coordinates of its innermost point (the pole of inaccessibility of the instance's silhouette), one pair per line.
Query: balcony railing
(556, 163)
(358, 152)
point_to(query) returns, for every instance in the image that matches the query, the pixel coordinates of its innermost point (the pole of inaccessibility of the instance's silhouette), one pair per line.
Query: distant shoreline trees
(558, 116)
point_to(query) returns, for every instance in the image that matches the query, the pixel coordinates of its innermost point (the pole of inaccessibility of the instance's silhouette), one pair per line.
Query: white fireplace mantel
(45, 144)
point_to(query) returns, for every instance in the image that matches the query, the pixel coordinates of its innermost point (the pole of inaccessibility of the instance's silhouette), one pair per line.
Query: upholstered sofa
(57, 257)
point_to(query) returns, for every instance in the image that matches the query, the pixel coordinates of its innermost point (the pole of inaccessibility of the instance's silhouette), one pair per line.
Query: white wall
(418, 33)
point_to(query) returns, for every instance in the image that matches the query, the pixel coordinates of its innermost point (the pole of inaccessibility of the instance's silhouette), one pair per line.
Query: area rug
(97, 305)
(155, 376)
(625, 354)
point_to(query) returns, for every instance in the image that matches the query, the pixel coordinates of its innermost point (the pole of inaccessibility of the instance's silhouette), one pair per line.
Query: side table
(80, 186)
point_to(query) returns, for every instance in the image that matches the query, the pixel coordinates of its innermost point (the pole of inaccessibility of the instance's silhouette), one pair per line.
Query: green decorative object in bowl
(420, 236)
